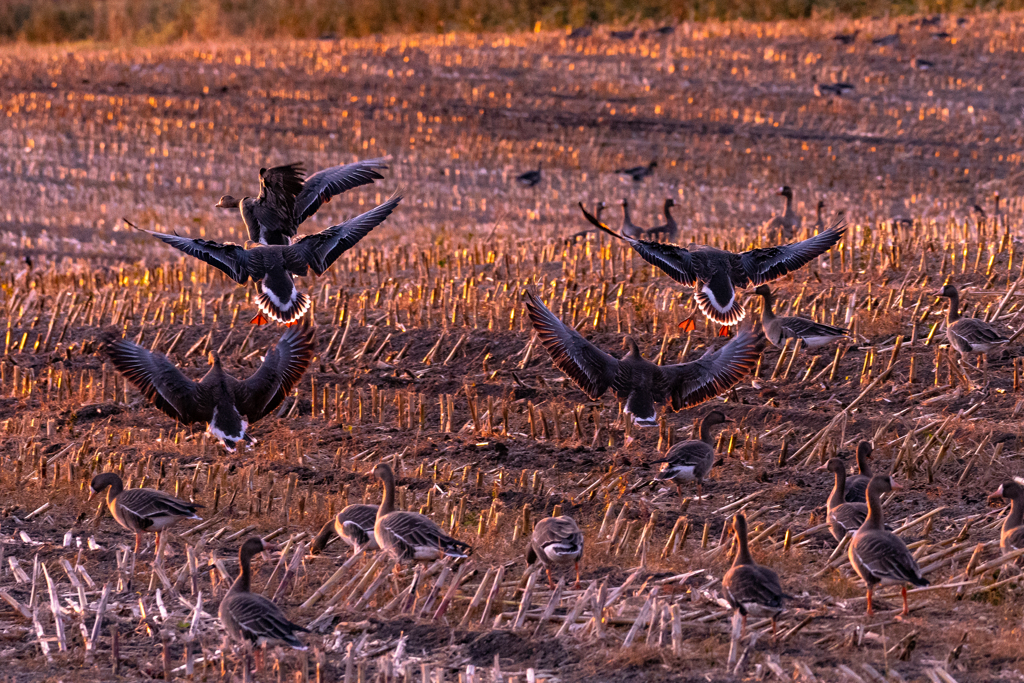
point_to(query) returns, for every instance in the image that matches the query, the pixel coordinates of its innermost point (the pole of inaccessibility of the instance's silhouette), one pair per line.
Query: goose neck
(875, 519)
(1016, 516)
(838, 490)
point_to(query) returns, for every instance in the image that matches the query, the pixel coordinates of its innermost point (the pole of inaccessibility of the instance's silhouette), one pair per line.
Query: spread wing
(275, 206)
(321, 250)
(159, 379)
(330, 182)
(230, 259)
(590, 368)
(689, 384)
(759, 266)
(282, 369)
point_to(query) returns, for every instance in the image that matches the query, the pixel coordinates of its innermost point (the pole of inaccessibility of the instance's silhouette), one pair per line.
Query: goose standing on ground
(1011, 536)
(556, 541)
(785, 226)
(891, 39)
(749, 587)
(638, 382)
(692, 460)
(354, 525)
(778, 330)
(879, 556)
(249, 617)
(638, 173)
(530, 178)
(968, 335)
(629, 229)
(842, 517)
(228, 406)
(669, 230)
(287, 197)
(409, 536)
(857, 485)
(715, 274)
(142, 510)
(275, 267)
(598, 210)
(846, 38)
(819, 219)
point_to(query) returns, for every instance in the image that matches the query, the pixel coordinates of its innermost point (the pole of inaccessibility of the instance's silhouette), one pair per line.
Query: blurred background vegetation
(162, 21)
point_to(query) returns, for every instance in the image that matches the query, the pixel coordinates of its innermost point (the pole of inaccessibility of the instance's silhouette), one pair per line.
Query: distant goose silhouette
(629, 229)
(226, 404)
(581, 32)
(715, 274)
(638, 382)
(891, 39)
(692, 460)
(669, 230)
(530, 178)
(786, 225)
(778, 330)
(638, 173)
(354, 525)
(274, 267)
(921, 64)
(626, 34)
(287, 198)
(846, 38)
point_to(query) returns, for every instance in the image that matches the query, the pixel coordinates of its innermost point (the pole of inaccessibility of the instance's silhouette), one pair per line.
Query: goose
(891, 39)
(638, 382)
(921, 64)
(227, 405)
(556, 541)
(669, 230)
(626, 34)
(354, 525)
(778, 330)
(879, 556)
(249, 617)
(786, 225)
(1011, 536)
(409, 536)
(749, 587)
(819, 220)
(581, 32)
(715, 274)
(598, 210)
(846, 38)
(857, 485)
(638, 173)
(287, 197)
(968, 335)
(842, 517)
(629, 229)
(275, 267)
(692, 460)
(142, 510)
(530, 178)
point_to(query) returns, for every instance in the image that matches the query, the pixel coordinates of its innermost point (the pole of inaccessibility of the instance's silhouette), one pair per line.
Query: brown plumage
(692, 460)
(779, 330)
(748, 586)
(968, 335)
(142, 510)
(354, 525)
(857, 485)
(843, 517)
(1011, 536)
(556, 541)
(784, 227)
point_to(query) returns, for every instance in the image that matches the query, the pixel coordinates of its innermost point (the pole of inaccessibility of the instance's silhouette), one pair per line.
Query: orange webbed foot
(259, 319)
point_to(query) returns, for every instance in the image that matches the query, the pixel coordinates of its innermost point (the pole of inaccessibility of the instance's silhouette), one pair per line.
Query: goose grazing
(275, 267)
(968, 335)
(749, 587)
(142, 510)
(879, 556)
(715, 274)
(287, 198)
(891, 39)
(556, 541)
(669, 230)
(249, 617)
(227, 405)
(354, 525)
(692, 460)
(842, 517)
(638, 173)
(778, 330)
(857, 485)
(638, 382)
(629, 229)
(1011, 536)
(786, 225)
(409, 536)
(846, 38)
(530, 178)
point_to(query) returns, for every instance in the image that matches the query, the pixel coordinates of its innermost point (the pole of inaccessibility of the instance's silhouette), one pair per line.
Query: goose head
(948, 292)
(670, 202)
(227, 202)
(785, 191)
(1009, 489)
(102, 481)
(833, 465)
(715, 417)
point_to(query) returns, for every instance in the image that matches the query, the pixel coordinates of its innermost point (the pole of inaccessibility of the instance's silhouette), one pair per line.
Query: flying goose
(409, 536)
(749, 587)
(227, 405)
(287, 197)
(142, 510)
(1011, 536)
(692, 460)
(715, 274)
(276, 266)
(842, 517)
(879, 556)
(629, 229)
(778, 330)
(530, 178)
(669, 230)
(786, 225)
(556, 541)
(354, 525)
(638, 173)
(250, 617)
(857, 485)
(638, 382)
(968, 335)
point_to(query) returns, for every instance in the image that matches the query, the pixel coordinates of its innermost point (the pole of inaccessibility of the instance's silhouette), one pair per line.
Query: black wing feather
(282, 369)
(759, 266)
(159, 379)
(330, 182)
(321, 250)
(689, 384)
(230, 259)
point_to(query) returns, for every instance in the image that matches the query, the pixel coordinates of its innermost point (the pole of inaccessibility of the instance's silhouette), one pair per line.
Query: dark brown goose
(629, 229)
(881, 557)
(556, 541)
(968, 335)
(638, 173)
(250, 617)
(749, 587)
(354, 525)
(1011, 536)
(778, 330)
(275, 267)
(142, 510)
(409, 536)
(819, 220)
(715, 274)
(668, 231)
(692, 460)
(857, 485)
(784, 227)
(287, 197)
(842, 517)
(227, 405)
(638, 382)
(530, 178)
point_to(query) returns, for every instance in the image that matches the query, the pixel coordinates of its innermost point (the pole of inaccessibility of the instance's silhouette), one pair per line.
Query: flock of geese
(229, 406)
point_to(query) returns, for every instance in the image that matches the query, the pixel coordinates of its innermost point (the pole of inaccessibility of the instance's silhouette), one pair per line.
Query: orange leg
(906, 608)
(551, 582)
(577, 584)
(871, 609)
(700, 490)
(138, 541)
(259, 319)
